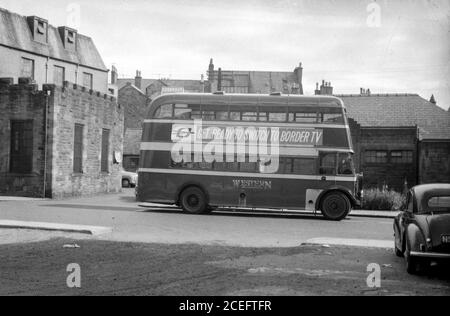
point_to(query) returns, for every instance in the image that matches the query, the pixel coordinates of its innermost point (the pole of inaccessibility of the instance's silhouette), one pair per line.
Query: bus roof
(247, 99)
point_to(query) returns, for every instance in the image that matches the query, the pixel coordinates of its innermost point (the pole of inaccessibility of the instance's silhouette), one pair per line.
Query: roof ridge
(379, 95)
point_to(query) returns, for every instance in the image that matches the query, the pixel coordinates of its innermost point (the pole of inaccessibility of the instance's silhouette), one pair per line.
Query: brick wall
(434, 162)
(135, 105)
(391, 174)
(21, 102)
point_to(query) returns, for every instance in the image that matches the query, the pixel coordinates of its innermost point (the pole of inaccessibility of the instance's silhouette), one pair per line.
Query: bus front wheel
(335, 206)
(193, 201)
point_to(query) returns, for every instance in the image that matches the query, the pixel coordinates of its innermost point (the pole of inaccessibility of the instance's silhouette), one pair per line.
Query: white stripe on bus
(246, 175)
(243, 123)
(284, 150)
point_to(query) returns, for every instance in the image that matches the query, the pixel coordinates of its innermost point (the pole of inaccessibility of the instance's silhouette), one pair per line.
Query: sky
(395, 46)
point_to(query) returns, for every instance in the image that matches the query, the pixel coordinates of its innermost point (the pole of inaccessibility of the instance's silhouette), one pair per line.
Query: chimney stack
(219, 80)
(299, 76)
(211, 71)
(138, 79)
(433, 100)
(114, 75)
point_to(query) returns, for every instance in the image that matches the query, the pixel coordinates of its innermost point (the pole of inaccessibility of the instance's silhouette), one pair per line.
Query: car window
(439, 203)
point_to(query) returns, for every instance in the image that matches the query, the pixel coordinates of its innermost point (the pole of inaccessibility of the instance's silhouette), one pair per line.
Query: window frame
(105, 148)
(33, 68)
(78, 151)
(24, 145)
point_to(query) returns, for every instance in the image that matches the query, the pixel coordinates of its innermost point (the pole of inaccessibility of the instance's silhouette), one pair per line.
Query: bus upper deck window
(303, 117)
(182, 112)
(332, 118)
(277, 117)
(263, 116)
(208, 115)
(222, 115)
(235, 116)
(165, 111)
(250, 116)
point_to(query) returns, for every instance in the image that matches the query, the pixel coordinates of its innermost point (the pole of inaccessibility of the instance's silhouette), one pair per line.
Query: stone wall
(21, 102)
(67, 106)
(76, 105)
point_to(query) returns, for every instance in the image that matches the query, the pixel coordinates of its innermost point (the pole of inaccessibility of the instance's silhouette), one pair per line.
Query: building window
(105, 151)
(21, 156)
(376, 156)
(59, 75)
(402, 156)
(41, 27)
(78, 149)
(88, 80)
(27, 68)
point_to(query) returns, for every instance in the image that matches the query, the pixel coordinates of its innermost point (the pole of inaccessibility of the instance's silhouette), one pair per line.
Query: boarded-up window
(21, 157)
(27, 68)
(105, 151)
(88, 80)
(59, 75)
(78, 149)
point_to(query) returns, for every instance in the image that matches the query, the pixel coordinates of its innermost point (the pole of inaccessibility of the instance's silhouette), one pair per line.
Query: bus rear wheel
(193, 201)
(335, 206)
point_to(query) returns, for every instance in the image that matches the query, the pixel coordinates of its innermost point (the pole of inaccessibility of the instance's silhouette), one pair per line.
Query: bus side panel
(152, 188)
(251, 192)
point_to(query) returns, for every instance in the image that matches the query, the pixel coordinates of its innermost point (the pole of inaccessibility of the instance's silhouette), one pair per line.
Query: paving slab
(366, 243)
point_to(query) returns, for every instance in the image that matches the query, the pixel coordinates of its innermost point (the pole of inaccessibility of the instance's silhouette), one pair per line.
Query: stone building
(59, 139)
(265, 82)
(398, 138)
(64, 141)
(33, 48)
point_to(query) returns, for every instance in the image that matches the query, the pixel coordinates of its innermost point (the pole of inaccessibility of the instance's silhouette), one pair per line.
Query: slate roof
(132, 141)
(15, 33)
(399, 110)
(188, 85)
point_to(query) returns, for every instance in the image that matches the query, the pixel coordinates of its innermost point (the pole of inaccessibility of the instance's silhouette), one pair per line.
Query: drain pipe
(47, 95)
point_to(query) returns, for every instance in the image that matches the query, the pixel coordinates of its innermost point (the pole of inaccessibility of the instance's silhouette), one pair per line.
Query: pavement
(129, 222)
(81, 229)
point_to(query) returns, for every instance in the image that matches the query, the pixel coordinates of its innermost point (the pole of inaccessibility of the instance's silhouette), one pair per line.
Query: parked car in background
(422, 229)
(129, 179)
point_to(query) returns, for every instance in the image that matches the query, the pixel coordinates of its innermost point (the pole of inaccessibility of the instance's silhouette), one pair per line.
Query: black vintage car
(422, 229)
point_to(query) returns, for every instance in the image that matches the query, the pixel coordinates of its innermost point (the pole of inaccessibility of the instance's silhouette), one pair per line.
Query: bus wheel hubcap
(335, 205)
(193, 201)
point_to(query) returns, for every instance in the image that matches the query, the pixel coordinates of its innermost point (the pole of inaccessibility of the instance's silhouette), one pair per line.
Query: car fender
(414, 237)
(399, 240)
(337, 188)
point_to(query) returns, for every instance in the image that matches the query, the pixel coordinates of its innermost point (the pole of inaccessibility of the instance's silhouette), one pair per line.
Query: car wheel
(193, 201)
(125, 183)
(412, 263)
(398, 252)
(335, 206)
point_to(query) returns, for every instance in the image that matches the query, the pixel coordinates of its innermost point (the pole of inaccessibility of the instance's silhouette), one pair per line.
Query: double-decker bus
(278, 152)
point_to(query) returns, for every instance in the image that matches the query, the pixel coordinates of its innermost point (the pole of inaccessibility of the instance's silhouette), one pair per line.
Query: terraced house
(60, 130)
